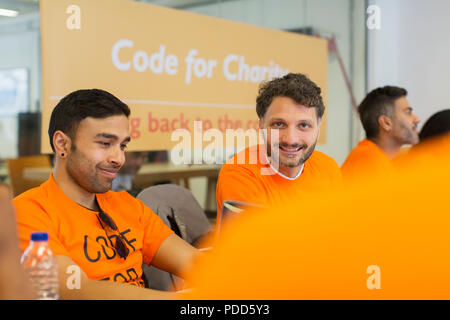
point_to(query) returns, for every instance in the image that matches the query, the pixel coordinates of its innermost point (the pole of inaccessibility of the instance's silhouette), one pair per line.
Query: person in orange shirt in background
(286, 167)
(107, 234)
(435, 130)
(389, 122)
(124, 178)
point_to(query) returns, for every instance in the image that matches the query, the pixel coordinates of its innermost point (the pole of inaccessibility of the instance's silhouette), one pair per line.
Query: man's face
(298, 130)
(97, 152)
(405, 123)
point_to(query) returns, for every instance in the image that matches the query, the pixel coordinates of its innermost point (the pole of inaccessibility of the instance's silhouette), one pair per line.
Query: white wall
(329, 17)
(412, 50)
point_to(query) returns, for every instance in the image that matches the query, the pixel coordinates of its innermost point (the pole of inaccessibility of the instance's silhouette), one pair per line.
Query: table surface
(150, 172)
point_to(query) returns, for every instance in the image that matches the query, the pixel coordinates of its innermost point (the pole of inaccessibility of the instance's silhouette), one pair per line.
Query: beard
(85, 174)
(299, 160)
(412, 137)
(408, 135)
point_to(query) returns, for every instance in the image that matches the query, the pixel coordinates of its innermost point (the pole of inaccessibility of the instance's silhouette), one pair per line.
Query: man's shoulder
(33, 203)
(366, 152)
(323, 169)
(36, 195)
(367, 148)
(319, 158)
(245, 160)
(248, 156)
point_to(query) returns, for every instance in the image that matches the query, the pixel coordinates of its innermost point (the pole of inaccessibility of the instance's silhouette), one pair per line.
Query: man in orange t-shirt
(286, 167)
(389, 123)
(107, 235)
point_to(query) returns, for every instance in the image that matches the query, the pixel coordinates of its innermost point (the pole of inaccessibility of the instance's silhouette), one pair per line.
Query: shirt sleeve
(155, 233)
(238, 183)
(31, 217)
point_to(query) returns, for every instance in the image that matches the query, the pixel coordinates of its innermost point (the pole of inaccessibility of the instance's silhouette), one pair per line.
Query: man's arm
(102, 290)
(175, 256)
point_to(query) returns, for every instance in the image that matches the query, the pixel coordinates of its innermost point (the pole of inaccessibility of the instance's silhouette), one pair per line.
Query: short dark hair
(80, 104)
(296, 86)
(437, 124)
(378, 102)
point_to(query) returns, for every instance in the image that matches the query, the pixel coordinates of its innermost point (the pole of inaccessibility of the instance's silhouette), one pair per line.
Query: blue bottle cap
(39, 236)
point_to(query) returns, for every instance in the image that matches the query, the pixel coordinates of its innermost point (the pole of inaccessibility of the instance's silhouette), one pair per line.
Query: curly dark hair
(296, 86)
(378, 102)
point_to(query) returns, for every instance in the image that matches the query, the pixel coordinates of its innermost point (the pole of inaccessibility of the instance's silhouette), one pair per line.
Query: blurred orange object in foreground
(386, 238)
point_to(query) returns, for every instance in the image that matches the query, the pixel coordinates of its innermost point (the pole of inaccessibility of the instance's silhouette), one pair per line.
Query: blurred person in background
(13, 279)
(389, 123)
(435, 130)
(124, 178)
(437, 124)
(5, 190)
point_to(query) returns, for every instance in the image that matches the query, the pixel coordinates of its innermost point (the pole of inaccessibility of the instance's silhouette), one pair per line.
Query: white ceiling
(32, 6)
(23, 6)
(27, 6)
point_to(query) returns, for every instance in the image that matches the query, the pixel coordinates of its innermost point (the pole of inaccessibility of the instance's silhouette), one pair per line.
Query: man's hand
(101, 290)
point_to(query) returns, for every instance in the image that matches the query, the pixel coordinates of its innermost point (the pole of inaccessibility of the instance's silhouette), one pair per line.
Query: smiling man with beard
(389, 123)
(106, 234)
(286, 168)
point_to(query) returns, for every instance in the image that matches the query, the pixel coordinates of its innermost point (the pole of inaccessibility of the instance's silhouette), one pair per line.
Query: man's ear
(62, 144)
(385, 123)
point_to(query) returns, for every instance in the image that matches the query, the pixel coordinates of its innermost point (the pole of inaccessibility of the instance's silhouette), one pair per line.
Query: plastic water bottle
(41, 266)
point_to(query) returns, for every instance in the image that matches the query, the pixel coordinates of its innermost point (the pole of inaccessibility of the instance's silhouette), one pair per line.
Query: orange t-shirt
(364, 160)
(76, 232)
(258, 183)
